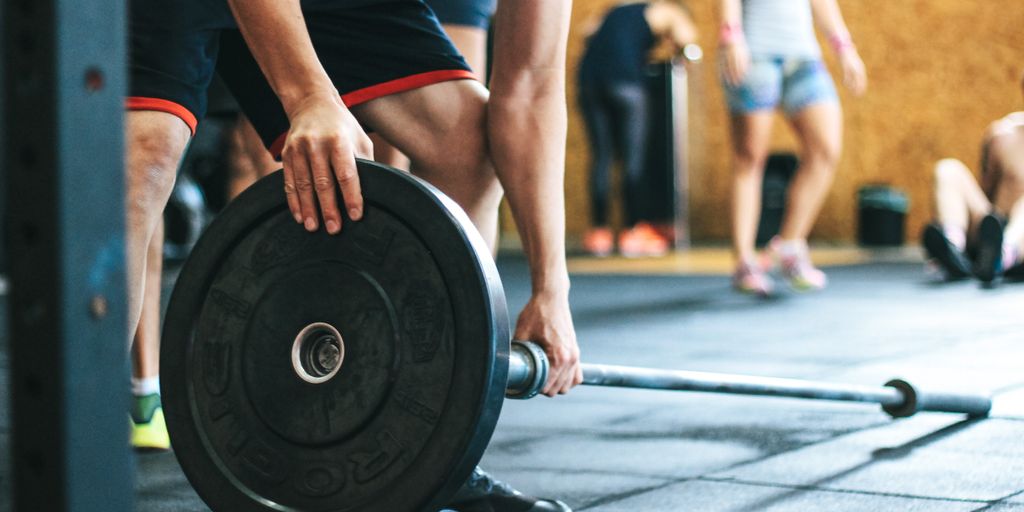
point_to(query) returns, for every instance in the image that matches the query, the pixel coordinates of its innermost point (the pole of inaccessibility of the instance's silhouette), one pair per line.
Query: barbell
(366, 371)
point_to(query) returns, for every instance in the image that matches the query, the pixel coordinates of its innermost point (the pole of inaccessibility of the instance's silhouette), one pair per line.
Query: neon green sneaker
(149, 431)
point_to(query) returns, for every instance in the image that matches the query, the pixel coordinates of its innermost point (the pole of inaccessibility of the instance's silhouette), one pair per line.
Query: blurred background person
(613, 99)
(983, 220)
(771, 59)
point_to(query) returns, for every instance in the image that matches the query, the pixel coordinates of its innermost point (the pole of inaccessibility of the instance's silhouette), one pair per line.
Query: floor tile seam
(598, 472)
(840, 490)
(621, 496)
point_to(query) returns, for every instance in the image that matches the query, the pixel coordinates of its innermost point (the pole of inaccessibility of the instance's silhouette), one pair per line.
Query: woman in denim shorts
(771, 59)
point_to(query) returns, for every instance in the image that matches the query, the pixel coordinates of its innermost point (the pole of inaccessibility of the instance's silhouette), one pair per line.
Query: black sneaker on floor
(989, 263)
(482, 493)
(953, 261)
(1014, 273)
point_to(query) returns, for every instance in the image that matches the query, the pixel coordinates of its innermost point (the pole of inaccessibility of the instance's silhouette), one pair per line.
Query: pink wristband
(731, 32)
(840, 42)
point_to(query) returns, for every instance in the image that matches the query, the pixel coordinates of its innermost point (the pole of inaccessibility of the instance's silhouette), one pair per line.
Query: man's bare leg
(146, 348)
(472, 44)
(248, 159)
(441, 128)
(149, 430)
(155, 142)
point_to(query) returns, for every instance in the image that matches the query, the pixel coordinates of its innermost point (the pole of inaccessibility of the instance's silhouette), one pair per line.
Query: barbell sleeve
(528, 368)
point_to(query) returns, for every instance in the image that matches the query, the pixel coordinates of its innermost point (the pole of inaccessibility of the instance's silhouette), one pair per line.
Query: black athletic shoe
(952, 260)
(989, 264)
(1014, 273)
(482, 493)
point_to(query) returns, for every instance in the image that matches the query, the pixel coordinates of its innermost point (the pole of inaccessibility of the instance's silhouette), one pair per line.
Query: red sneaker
(599, 242)
(641, 241)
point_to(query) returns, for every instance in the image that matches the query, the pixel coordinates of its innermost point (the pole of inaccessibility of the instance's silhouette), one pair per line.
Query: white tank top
(780, 28)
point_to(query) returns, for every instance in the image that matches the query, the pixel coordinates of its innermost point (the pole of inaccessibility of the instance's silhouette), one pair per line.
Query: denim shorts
(771, 81)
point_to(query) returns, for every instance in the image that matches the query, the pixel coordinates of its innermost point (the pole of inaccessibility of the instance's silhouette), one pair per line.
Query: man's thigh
(370, 52)
(439, 126)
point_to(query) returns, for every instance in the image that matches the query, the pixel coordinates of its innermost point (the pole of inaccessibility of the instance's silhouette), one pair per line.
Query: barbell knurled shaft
(898, 398)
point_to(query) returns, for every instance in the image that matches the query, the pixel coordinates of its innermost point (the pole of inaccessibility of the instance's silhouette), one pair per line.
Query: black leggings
(616, 117)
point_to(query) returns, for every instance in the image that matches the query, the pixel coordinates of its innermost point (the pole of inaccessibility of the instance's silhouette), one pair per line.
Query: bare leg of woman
(751, 134)
(820, 130)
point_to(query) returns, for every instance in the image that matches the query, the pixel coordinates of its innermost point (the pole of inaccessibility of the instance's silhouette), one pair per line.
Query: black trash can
(882, 216)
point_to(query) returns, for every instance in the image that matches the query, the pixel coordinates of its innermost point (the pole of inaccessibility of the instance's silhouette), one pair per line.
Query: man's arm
(830, 19)
(526, 126)
(324, 138)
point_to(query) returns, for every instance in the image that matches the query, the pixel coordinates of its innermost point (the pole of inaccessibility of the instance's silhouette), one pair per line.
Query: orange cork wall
(939, 72)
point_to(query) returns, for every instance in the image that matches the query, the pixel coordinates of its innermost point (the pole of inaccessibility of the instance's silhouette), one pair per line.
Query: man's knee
(155, 145)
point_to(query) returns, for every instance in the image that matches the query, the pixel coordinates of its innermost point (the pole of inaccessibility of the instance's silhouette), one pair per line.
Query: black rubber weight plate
(413, 293)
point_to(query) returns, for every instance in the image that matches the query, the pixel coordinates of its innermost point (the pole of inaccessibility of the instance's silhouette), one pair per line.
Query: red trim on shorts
(404, 84)
(162, 105)
(380, 90)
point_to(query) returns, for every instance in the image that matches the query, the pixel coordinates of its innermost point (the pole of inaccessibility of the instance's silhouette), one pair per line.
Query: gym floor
(631, 450)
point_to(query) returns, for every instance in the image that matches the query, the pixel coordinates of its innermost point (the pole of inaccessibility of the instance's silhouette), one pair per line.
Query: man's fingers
(564, 369)
(323, 185)
(304, 189)
(290, 193)
(348, 178)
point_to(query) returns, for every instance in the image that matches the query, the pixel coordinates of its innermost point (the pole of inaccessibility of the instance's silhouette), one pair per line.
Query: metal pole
(678, 92)
(64, 92)
(528, 364)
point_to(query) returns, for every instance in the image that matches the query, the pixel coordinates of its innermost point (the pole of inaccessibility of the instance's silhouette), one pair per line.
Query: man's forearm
(276, 33)
(526, 126)
(527, 137)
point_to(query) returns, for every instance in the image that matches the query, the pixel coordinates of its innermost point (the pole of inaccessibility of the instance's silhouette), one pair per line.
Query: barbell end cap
(973, 405)
(909, 406)
(528, 370)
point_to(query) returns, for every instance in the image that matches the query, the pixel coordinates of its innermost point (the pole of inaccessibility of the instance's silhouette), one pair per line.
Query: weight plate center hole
(318, 353)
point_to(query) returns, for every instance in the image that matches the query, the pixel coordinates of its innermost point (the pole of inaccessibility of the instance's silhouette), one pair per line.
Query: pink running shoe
(751, 279)
(801, 274)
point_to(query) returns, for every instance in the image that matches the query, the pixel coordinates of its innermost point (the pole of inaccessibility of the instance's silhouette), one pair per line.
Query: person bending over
(613, 99)
(310, 75)
(983, 220)
(771, 58)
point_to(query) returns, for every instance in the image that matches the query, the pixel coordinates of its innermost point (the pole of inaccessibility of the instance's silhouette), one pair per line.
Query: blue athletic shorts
(792, 83)
(369, 48)
(471, 13)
